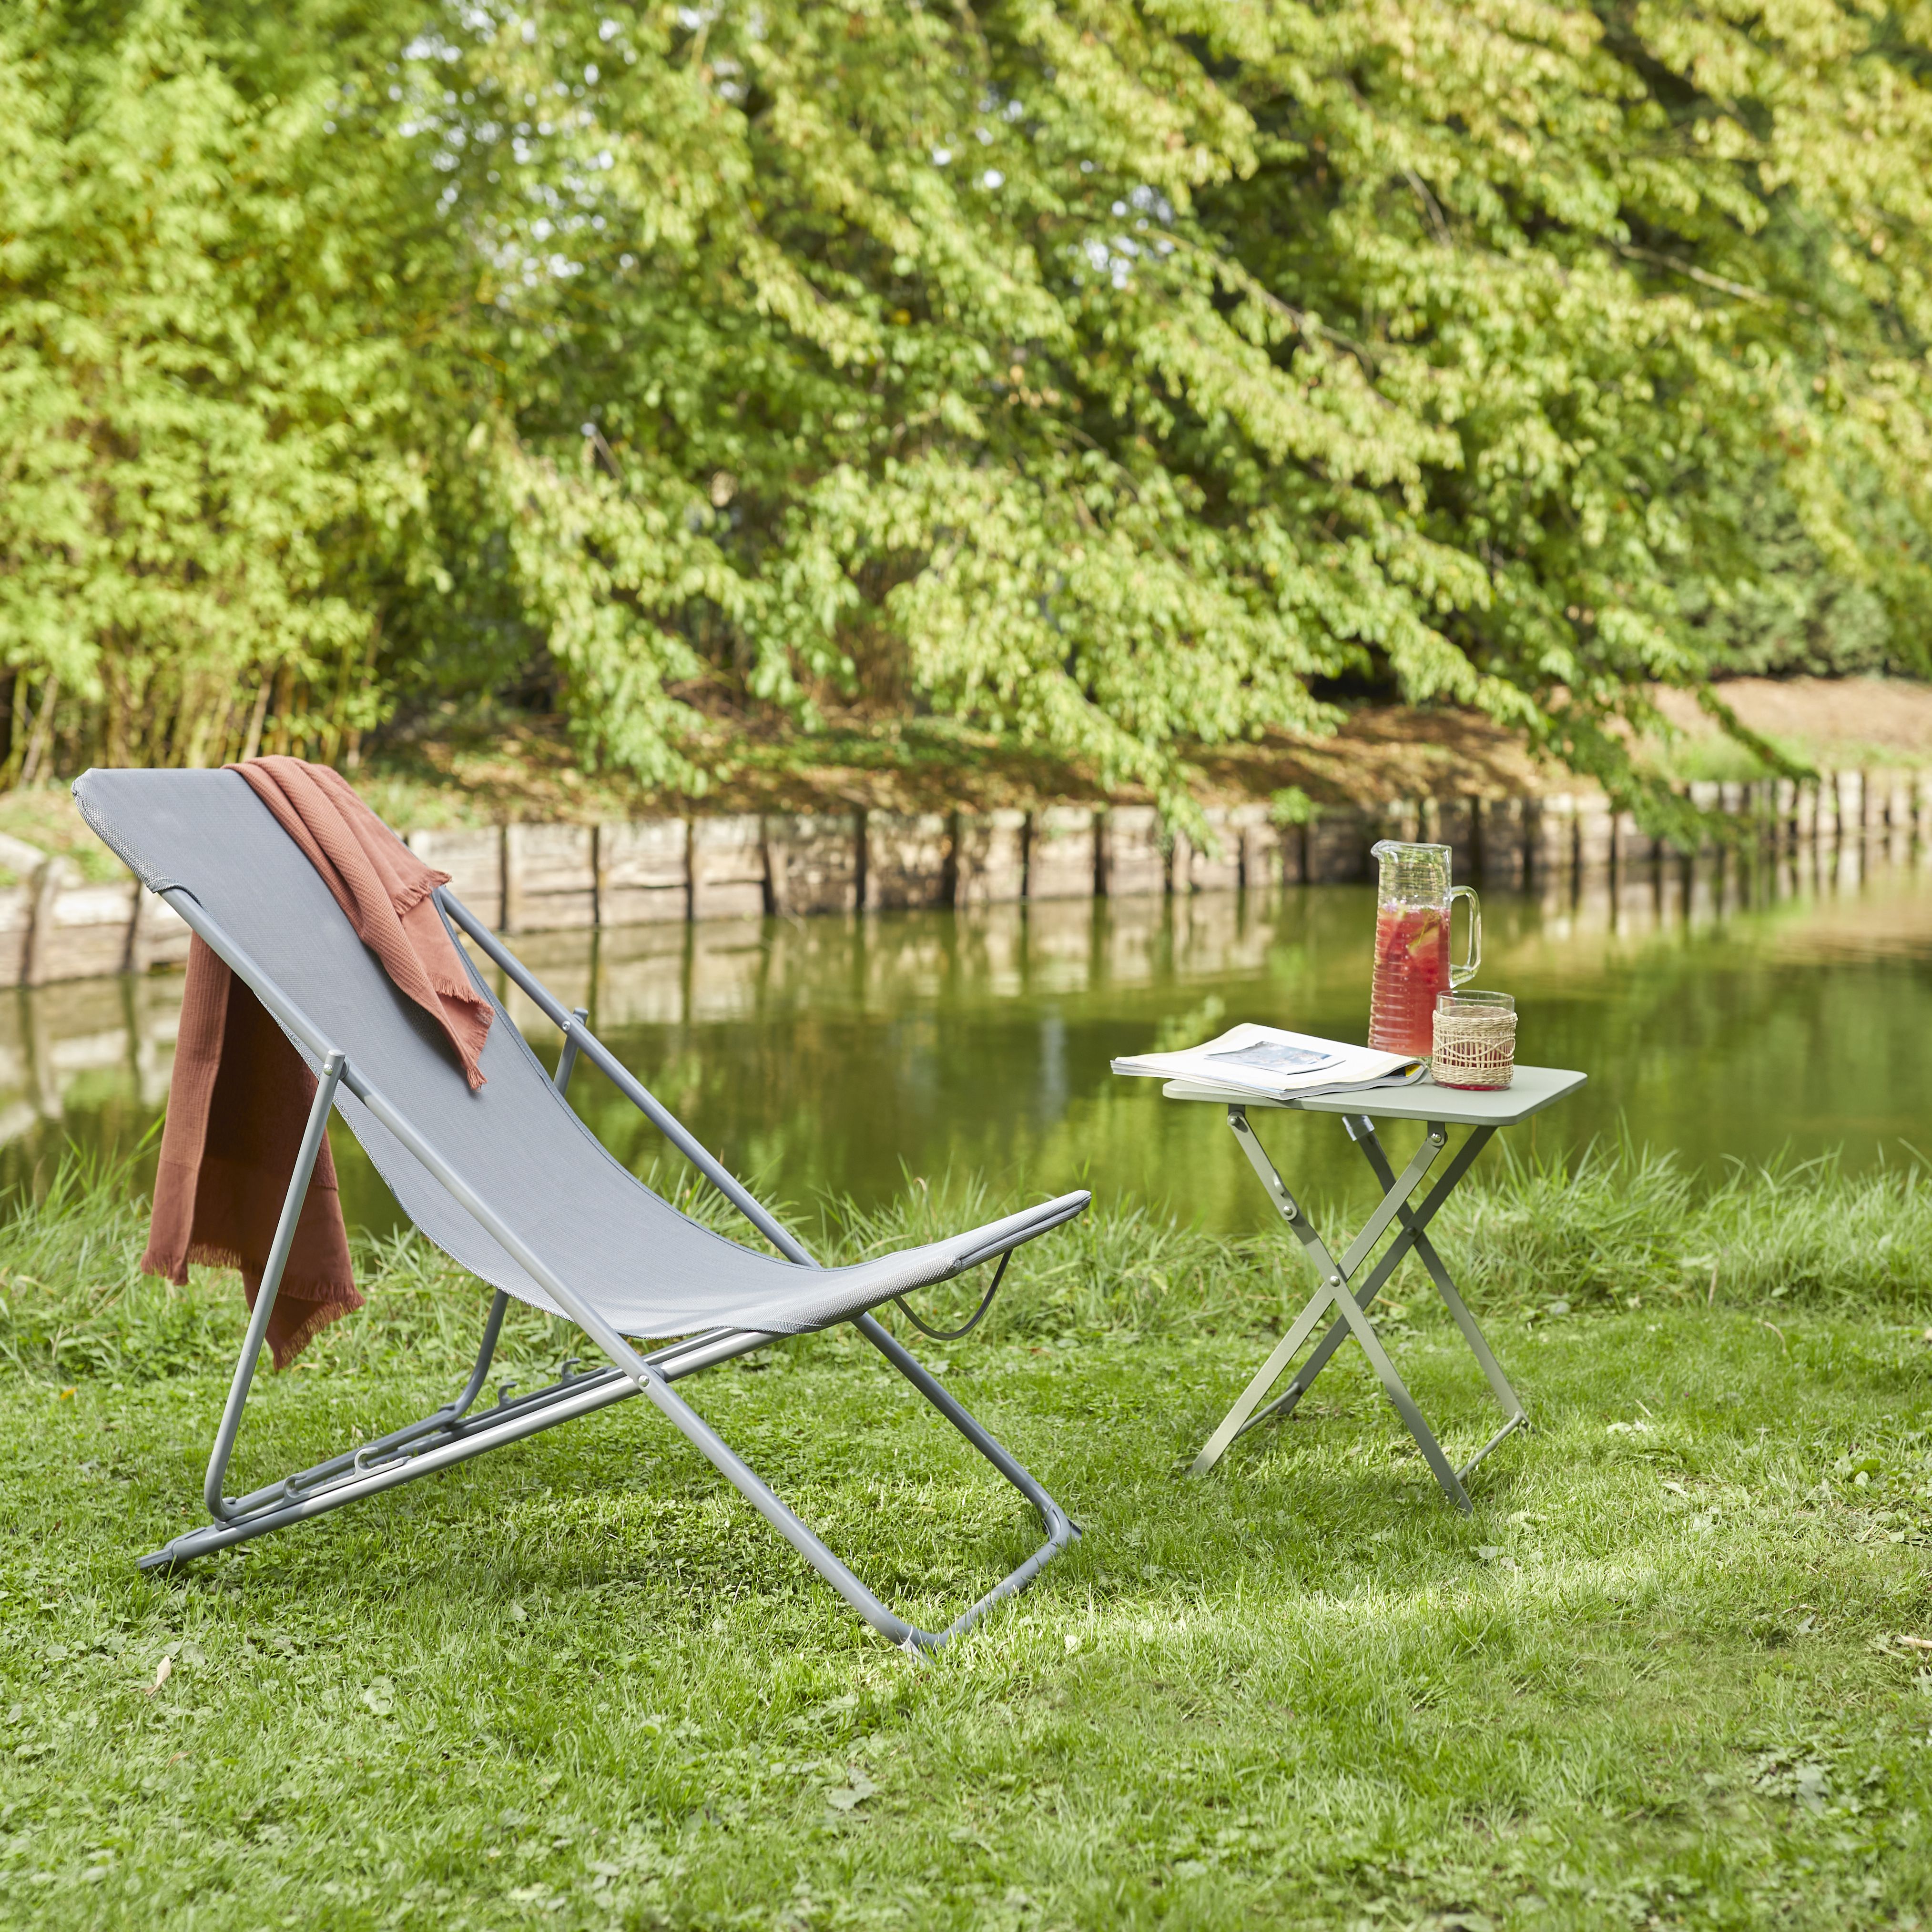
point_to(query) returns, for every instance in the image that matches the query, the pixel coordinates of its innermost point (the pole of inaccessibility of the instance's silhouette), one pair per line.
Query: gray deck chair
(510, 1182)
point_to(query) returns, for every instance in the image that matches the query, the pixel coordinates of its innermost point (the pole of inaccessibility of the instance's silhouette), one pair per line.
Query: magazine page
(1255, 1059)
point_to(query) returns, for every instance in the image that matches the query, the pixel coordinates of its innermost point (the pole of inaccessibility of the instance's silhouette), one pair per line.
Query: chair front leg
(306, 1155)
(1062, 1530)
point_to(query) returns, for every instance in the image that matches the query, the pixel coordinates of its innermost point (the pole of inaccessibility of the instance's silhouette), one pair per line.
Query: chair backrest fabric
(648, 1269)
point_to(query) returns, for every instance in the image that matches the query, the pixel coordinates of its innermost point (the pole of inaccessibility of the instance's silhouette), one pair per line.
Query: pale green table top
(1533, 1089)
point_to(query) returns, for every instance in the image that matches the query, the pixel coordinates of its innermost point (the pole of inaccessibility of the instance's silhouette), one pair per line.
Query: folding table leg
(1335, 1276)
(1361, 1131)
(1235, 1421)
(1412, 1237)
(1238, 1419)
(1352, 1306)
(1398, 1393)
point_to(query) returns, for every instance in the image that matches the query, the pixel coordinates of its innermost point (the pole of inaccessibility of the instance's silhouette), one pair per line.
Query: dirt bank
(523, 771)
(526, 771)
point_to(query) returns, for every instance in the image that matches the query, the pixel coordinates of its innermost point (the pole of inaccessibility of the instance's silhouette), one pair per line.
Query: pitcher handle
(1467, 970)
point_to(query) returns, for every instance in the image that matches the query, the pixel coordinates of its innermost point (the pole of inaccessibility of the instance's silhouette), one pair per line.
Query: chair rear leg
(1061, 1531)
(438, 1421)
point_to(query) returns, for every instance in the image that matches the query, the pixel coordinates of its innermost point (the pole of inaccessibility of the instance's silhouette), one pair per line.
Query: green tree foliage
(193, 384)
(1105, 374)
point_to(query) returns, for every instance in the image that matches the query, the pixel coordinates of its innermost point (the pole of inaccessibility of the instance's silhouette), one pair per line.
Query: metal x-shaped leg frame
(1352, 1305)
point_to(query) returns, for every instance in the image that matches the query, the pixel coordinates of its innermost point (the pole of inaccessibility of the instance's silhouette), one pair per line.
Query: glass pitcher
(1412, 945)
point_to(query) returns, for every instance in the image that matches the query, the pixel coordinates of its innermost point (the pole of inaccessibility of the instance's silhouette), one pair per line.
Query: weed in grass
(1675, 1673)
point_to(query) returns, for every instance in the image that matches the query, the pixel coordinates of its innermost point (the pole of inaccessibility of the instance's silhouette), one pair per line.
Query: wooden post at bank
(473, 858)
(643, 872)
(813, 862)
(727, 868)
(1062, 860)
(550, 877)
(989, 857)
(1133, 862)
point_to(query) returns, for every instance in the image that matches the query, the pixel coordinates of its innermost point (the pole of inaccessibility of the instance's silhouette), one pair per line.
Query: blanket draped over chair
(240, 1092)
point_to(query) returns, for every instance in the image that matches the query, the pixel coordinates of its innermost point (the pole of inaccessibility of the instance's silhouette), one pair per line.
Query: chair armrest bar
(980, 1256)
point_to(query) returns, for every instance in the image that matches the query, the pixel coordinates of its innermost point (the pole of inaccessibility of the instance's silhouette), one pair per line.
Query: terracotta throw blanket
(240, 1094)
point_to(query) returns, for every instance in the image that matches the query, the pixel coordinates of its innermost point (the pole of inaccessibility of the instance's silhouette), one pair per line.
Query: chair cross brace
(1352, 1304)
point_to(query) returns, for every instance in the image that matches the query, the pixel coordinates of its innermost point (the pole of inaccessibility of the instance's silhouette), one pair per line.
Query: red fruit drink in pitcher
(1411, 968)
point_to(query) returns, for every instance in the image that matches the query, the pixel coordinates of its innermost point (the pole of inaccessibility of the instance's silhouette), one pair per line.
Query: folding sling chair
(509, 1182)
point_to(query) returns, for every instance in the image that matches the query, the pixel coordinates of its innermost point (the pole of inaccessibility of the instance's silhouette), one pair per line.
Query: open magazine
(1250, 1060)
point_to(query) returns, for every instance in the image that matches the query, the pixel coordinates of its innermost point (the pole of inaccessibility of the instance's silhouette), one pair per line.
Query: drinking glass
(1475, 1043)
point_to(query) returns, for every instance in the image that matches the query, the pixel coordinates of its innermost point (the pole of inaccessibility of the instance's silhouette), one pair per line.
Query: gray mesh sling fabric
(649, 1270)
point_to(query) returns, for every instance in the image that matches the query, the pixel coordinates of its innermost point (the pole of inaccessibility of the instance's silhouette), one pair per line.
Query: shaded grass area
(1662, 1678)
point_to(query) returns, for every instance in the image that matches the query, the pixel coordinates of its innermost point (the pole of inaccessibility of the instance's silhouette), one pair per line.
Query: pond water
(1725, 1014)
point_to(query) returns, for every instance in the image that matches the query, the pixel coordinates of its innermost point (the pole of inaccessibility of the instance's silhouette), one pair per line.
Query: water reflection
(1721, 1011)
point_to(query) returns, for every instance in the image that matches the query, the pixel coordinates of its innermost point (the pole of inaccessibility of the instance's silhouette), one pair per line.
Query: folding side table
(1439, 1107)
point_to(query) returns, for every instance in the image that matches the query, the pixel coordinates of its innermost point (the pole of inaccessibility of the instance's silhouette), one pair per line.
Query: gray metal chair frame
(456, 1431)
(1483, 1114)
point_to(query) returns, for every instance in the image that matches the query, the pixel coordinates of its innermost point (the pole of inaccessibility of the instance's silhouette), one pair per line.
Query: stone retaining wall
(57, 925)
(543, 878)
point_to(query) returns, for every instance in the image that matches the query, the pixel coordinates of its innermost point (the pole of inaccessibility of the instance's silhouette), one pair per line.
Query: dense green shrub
(1105, 373)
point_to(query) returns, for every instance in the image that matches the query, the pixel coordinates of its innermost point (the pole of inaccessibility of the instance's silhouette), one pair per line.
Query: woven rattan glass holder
(1475, 1039)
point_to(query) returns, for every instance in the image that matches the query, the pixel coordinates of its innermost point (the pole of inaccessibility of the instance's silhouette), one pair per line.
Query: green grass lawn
(1665, 1677)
